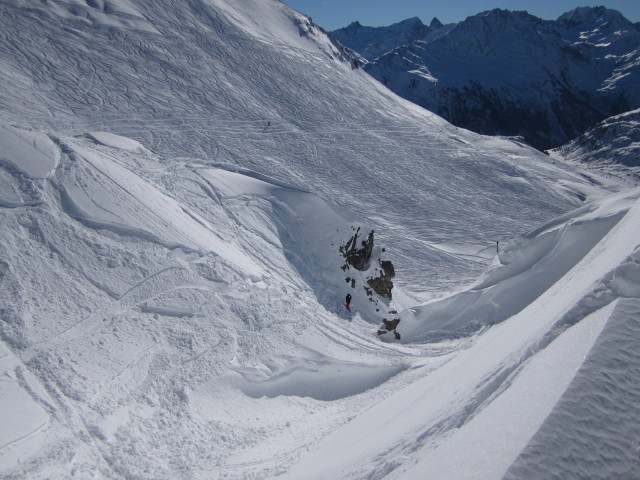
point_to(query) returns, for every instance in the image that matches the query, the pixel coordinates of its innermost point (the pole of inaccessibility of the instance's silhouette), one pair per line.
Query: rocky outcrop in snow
(360, 259)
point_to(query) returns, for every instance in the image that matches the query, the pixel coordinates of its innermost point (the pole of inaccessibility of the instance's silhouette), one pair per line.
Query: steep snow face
(275, 23)
(509, 73)
(206, 88)
(173, 195)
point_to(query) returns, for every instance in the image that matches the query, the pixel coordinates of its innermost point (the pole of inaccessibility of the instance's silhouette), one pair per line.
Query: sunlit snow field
(175, 183)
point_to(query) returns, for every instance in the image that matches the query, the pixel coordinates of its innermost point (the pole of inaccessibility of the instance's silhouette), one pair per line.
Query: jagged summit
(593, 15)
(412, 22)
(370, 42)
(435, 23)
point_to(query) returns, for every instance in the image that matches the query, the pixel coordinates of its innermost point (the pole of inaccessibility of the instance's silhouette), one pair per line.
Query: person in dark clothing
(348, 304)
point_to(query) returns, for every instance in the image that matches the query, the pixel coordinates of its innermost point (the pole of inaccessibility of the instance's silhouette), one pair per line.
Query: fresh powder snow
(177, 185)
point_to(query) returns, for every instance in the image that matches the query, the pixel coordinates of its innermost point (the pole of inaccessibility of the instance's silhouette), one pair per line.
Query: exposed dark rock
(383, 285)
(357, 254)
(391, 324)
(358, 257)
(387, 268)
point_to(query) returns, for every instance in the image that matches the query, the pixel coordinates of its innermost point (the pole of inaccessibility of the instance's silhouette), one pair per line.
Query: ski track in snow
(171, 209)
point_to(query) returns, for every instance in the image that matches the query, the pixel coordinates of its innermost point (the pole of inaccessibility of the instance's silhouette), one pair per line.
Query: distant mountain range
(510, 73)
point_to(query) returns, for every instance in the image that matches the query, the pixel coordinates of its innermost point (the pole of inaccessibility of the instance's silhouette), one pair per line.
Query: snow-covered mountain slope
(612, 146)
(206, 89)
(510, 73)
(176, 180)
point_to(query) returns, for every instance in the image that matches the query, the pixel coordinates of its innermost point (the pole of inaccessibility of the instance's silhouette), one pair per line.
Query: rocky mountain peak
(592, 15)
(510, 73)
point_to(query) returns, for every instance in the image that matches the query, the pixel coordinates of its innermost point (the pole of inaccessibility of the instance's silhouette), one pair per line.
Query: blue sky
(333, 14)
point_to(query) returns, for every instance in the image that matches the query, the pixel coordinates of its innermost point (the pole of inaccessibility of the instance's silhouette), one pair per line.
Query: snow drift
(176, 180)
(521, 272)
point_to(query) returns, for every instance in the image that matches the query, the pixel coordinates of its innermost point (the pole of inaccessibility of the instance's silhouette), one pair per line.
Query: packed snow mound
(524, 269)
(116, 141)
(32, 153)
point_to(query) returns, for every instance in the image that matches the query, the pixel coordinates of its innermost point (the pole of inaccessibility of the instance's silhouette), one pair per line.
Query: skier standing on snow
(348, 304)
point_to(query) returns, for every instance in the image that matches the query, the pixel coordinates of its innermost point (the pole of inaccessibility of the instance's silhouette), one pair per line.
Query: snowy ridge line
(528, 267)
(610, 288)
(504, 416)
(597, 408)
(252, 174)
(602, 297)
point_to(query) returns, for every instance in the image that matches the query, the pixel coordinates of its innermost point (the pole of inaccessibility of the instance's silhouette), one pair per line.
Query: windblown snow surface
(176, 179)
